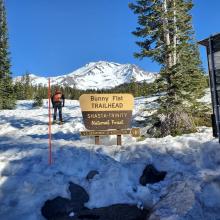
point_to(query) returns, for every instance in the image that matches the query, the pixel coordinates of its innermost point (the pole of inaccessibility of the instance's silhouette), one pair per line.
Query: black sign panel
(213, 52)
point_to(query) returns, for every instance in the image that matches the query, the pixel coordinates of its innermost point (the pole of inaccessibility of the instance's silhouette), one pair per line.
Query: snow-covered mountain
(98, 75)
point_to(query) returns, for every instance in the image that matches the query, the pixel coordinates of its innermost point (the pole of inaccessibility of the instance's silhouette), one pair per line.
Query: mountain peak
(98, 75)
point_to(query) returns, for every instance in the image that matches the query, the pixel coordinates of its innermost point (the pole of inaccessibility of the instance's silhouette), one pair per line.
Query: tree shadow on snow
(59, 136)
(21, 123)
(67, 117)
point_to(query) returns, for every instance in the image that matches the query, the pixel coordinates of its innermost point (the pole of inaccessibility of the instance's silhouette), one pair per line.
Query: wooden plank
(105, 132)
(104, 120)
(135, 132)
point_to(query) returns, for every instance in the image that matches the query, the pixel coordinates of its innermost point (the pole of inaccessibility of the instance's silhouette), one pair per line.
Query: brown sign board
(106, 111)
(135, 132)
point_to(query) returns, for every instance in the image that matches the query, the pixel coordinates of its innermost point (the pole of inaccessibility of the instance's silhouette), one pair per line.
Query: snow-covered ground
(191, 189)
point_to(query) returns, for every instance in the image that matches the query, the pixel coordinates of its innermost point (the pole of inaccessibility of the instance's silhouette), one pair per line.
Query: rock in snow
(58, 207)
(78, 194)
(61, 208)
(151, 175)
(91, 174)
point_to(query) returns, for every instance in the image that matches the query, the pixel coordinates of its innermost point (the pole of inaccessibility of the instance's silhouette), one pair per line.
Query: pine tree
(28, 90)
(168, 38)
(38, 100)
(19, 90)
(134, 87)
(7, 98)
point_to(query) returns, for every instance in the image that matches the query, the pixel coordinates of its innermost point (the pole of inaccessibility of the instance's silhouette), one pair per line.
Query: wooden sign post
(102, 112)
(119, 139)
(97, 140)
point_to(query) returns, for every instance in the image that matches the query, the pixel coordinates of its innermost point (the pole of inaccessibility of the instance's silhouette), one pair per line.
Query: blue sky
(54, 37)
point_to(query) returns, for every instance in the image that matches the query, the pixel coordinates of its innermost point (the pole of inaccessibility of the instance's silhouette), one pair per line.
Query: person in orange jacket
(58, 101)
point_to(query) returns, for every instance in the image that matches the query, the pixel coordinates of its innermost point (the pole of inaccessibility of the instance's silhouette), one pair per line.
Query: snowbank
(191, 189)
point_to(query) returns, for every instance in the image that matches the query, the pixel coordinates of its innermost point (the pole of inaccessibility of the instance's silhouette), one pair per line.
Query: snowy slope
(97, 75)
(190, 190)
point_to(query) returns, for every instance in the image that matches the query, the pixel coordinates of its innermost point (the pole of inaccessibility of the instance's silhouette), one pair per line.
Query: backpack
(57, 97)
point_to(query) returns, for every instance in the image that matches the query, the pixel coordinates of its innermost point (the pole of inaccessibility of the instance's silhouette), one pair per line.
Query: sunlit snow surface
(191, 189)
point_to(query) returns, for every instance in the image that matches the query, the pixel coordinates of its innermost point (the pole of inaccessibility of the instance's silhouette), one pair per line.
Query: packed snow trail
(191, 189)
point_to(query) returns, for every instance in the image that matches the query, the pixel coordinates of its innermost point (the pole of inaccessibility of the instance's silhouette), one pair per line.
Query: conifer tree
(7, 99)
(28, 89)
(165, 27)
(19, 90)
(38, 100)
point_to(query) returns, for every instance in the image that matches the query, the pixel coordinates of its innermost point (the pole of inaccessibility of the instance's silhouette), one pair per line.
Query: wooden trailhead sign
(107, 114)
(106, 111)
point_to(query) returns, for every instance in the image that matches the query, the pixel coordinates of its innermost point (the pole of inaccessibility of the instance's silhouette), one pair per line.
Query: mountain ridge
(97, 75)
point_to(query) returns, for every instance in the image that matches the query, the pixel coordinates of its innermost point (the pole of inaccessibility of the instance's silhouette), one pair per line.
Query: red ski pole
(49, 124)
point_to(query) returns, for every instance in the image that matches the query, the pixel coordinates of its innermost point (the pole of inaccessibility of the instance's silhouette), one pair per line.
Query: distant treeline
(24, 90)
